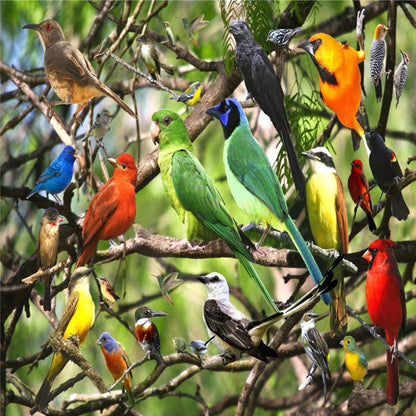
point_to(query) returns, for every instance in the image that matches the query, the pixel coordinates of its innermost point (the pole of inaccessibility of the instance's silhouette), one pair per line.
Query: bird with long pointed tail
(235, 332)
(77, 319)
(253, 182)
(386, 305)
(116, 360)
(147, 334)
(339, 79)
(194, 196)
(328, 221)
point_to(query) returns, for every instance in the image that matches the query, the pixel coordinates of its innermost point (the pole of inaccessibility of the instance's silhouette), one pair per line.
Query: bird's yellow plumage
(355, 366)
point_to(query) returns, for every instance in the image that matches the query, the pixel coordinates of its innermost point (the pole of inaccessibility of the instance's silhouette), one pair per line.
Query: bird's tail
(119, 101)
(251, 271)
(47, 292)
(307, 257)
(371, 224)
(378, 89)
(127, 387)
(392, 378)
(167, 68)
(399, 208)
(41, 399)
(338, 316)
(87, 252)
(32, 192)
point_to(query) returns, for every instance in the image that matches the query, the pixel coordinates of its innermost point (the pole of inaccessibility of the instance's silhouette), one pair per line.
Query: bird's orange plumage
(342, 61)
(112, 210)
(386, 304)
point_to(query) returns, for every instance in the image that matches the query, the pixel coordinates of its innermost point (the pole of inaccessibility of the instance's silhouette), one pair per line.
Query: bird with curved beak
(112, 209)
(147, 334)
(69, 72)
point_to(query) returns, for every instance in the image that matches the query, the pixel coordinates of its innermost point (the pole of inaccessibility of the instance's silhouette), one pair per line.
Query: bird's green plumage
(194, 195)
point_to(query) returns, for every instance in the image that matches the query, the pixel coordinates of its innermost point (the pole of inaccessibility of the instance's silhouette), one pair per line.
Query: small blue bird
(57, 176)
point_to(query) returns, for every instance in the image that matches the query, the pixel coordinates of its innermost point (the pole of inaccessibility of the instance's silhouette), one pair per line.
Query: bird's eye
(167, 120)
(348, 342)
(48, 27)
(123, 166)
(317, 43)
(216, 278)
(373, 251)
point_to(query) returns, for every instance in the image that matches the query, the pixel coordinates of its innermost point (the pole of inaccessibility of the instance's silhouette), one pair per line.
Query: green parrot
(194, 196)
(253, 182)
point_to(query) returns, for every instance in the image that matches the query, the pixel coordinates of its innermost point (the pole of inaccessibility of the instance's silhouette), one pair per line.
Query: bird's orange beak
(367, 256)
(155, 131)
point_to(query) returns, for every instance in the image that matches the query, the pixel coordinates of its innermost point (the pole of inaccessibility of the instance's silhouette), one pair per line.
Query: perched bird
(327, 215)
(168, 282)
(191, 96)
(112, 209)
(57, 176)
(235, 333)
(200, 347)
(150, 57)
(377, 55)
(117, 361)
(253, 182)
(386, 305)
(69, 72)
(77, 318)
(400, 76)
(281, 37)
(169, 33)
(101, 124)
(48, 243)
(339, 78)
(264, 86)
(147, 334)
(360, 192)
(179, 344)
(315, 347)
(194, 196)
(193, 26)
(386, 169)
(354, 360)
(107, 291)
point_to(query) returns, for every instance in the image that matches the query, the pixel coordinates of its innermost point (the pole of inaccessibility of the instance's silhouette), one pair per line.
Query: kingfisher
(237, 334)
(147, 334)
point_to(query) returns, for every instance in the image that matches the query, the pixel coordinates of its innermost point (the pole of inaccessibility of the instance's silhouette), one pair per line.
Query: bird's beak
(33, 26)
(214, 111)
(309, 155)
(76, 154)
(60, 219)
(367, 256)
(113, 162)
(155, 131)
(99, 342)
(158, 313)
(308, 47)
(342, 342)
(202, 279)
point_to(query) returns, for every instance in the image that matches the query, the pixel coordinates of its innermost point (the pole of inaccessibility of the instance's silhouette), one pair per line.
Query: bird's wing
(250, 165)
(230, 330)
(198, 194)
(124, 356)
(395, 164)
(100, 209)
(319, 348)
(341, 213)
(52, 171)
(68, 312)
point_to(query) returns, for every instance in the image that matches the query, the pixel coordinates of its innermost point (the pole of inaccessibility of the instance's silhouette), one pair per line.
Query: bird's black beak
(309, 155)
(308, 47)
(214, 111)
(33, 26)
(158, 313)
(202, 279)
(155, 131)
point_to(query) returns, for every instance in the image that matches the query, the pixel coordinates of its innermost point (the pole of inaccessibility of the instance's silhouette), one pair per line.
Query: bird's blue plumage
(108, 342)
(57, 176)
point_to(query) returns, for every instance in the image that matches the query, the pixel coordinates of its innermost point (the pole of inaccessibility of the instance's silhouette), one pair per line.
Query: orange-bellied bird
(147, 334)
(263, 85)
(339, 78)
(117, 361)
(77, 318)
(360, 192)
(112, 209)
(386, 168)
(48, 243)
(69, 72)
(386, 305)
(327, 215)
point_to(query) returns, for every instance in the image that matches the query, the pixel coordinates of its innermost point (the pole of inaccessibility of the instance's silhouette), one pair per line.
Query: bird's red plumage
(385, 303)
(112, 210)
(117, 363)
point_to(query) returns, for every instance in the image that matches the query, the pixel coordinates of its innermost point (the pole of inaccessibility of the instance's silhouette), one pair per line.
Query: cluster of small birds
(257, 191)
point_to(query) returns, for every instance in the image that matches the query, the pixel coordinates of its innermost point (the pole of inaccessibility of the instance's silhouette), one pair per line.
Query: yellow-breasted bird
(77, 318)
(327, 215)
(191, 96)
(339, 79)
(355, 361)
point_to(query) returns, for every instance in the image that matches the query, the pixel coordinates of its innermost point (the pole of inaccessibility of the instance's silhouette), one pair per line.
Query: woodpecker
(377, 54)
(281, 37)
(400, 76)
(147, 334)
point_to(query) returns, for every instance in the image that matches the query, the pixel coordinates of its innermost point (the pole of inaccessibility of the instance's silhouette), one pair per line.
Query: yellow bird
(354, 360)
(191, 96)
(327, 215)
(77, 319)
